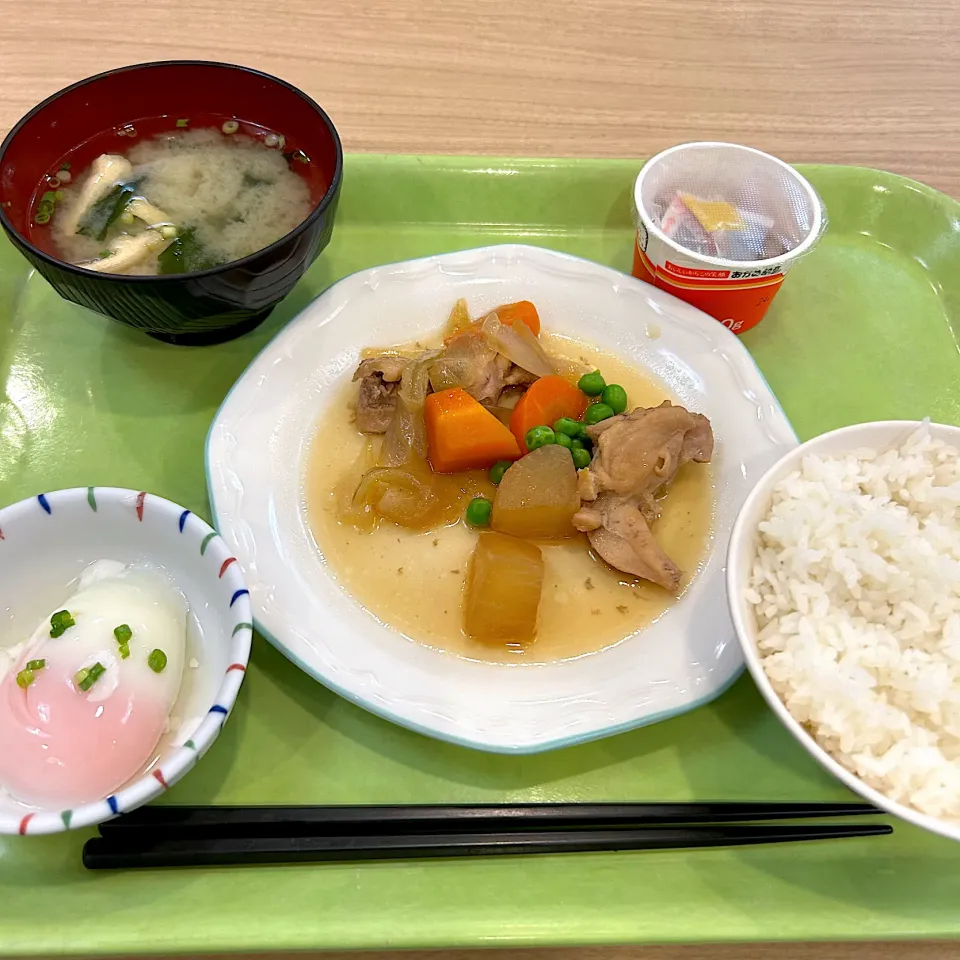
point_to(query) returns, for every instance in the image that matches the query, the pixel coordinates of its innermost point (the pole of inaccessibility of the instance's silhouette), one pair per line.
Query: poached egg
(89, 694)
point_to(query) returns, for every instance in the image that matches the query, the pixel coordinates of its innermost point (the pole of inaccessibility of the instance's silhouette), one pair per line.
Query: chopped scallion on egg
(157, 661)
(87, 677)
(123, 633)
(60, 623)
(36, 664)
(25, 678)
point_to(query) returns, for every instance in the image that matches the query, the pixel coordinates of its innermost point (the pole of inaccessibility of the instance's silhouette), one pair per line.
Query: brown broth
(413, 580)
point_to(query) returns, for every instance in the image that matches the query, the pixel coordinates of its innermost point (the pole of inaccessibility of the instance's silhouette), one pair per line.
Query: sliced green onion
(64, 176)
(25, 678)
(272, 140)
(157, 661)
(49, 195)
(66, 166)
(58, 195)
(87, 677)
(123, 633)
(42, 218)
(104, 254)
(60, 623)
(36, 664)
(183, 123)
(230, 126)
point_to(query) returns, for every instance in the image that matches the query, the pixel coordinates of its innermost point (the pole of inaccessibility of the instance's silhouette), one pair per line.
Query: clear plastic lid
(728, 202)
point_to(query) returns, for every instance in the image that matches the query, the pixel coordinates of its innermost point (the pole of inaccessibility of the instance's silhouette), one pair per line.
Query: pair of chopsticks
(183, 836)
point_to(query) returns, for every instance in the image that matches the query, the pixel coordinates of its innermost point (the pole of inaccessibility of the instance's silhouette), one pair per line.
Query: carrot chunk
(546, 401)
(522, 310)
(462, 435)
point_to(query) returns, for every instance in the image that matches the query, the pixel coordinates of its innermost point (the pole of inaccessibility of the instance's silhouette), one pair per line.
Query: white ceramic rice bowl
(740, 556)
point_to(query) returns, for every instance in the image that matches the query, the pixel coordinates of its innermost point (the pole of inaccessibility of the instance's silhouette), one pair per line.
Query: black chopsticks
(180, 836)
(287, 821)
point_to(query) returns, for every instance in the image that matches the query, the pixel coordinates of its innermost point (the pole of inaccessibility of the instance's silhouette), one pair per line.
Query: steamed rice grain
(856, 592)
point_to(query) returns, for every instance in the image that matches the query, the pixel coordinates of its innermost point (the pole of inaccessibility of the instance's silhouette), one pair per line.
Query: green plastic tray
(863, 329)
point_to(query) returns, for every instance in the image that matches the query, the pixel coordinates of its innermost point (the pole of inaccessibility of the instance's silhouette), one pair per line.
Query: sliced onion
(510, 396)
(517, 343)
(415, 382)
(503, 414)
(449, 372)
(458, 321)
(357, 514)
(397, 494)
(405, 440)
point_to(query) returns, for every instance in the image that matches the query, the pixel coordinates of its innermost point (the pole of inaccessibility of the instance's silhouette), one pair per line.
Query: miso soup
(181, 201)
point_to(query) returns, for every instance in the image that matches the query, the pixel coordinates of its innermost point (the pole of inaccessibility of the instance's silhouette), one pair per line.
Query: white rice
(856, 590)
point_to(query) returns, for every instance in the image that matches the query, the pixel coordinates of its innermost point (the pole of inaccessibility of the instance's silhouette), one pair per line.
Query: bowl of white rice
(843, 579)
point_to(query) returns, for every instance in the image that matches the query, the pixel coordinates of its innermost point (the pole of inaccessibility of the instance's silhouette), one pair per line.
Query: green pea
(592, 384)
(597, 412)
(581, 443)
(563, 440)
(498, 470)
(568, 427)
(478, 512)
(615, 397)
(581, 458)
(539, 437)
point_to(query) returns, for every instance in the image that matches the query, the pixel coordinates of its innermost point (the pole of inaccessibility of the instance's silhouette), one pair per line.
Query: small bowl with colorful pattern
(65, 549)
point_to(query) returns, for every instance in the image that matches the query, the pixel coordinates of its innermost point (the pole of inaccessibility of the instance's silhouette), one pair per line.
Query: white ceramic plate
(255, 463)
(742, 551)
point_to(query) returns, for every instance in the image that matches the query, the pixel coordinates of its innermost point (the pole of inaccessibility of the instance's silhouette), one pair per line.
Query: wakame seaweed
(106, 211)
(186, 255)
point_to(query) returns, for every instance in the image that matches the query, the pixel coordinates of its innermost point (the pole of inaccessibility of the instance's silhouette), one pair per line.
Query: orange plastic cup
(737, 292)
